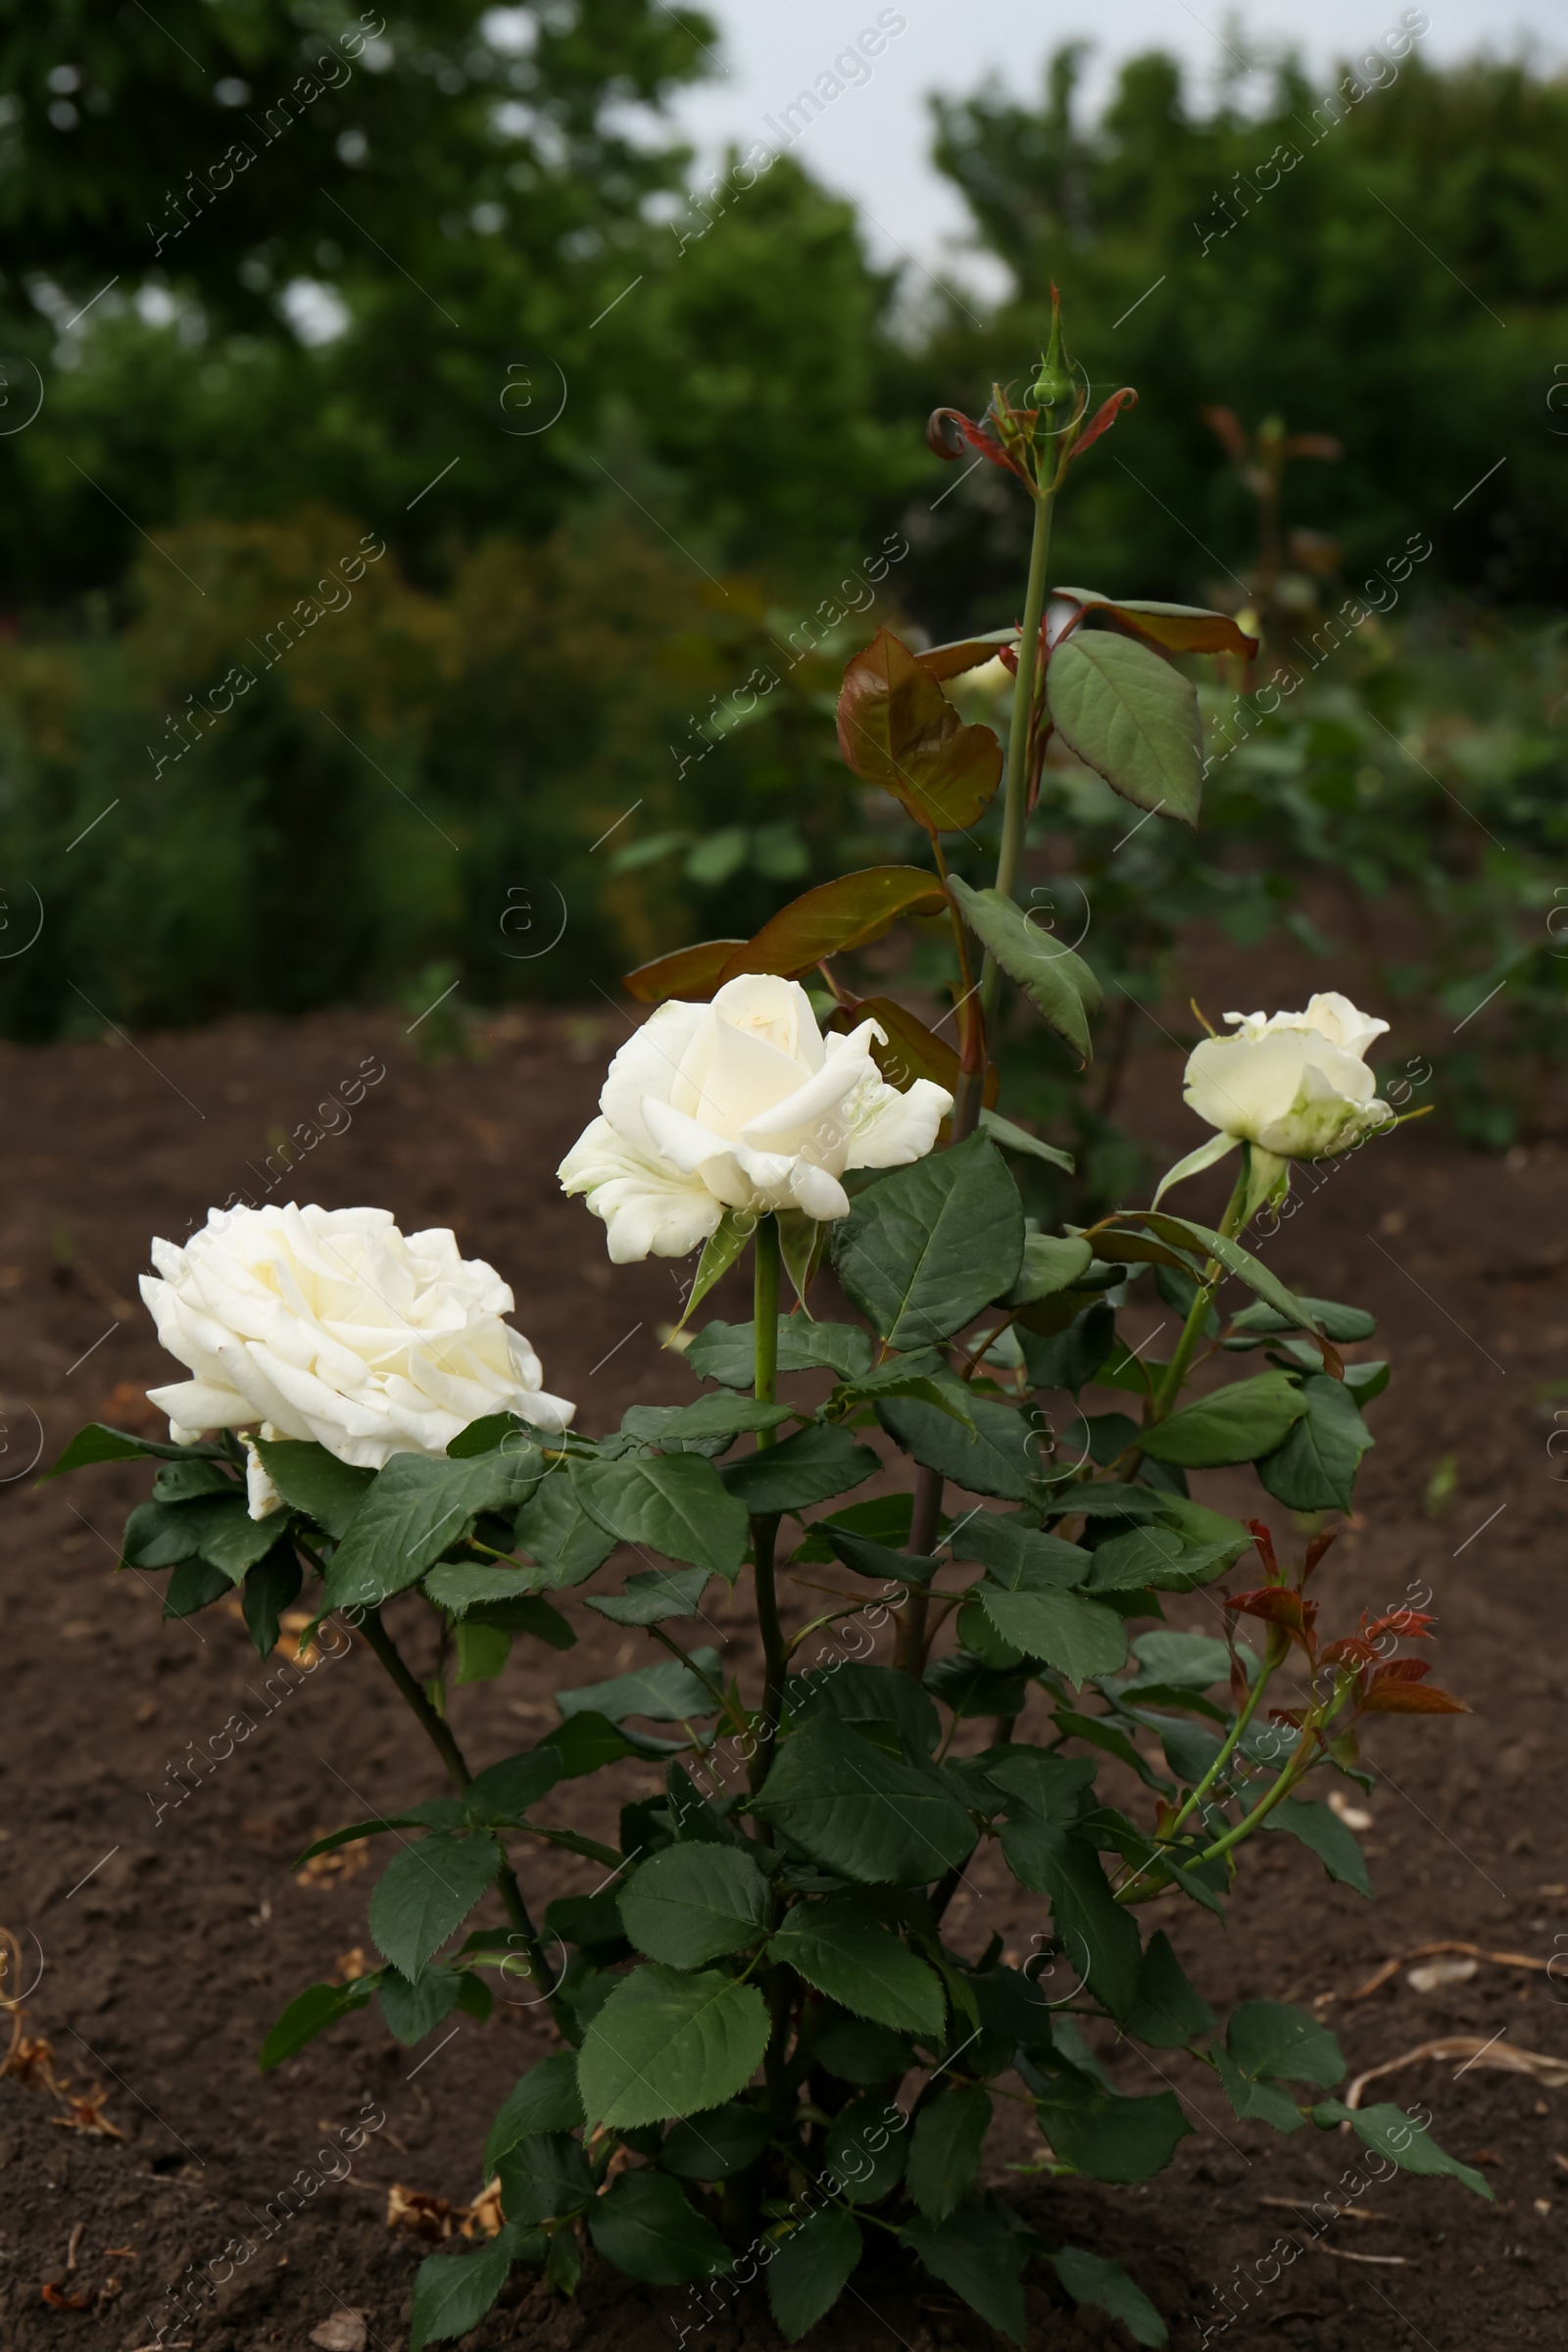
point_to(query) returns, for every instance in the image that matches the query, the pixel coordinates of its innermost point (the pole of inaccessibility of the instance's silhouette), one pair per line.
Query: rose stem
(439, 1734)
(764, 1527)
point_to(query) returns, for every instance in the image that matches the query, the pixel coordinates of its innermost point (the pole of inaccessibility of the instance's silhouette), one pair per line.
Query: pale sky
(873, 141)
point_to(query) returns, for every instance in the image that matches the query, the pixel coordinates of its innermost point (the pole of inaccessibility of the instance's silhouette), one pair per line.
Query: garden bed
(159, 1945)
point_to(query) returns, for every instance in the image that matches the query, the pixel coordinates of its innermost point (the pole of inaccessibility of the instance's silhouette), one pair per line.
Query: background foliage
(573, 628)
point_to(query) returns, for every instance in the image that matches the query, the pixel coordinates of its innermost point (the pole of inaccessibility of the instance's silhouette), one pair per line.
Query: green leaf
(269, 1588)
(867, 1557)
(546, 2099)
(412, 2011)
(1236, 1424)
(857, 1694)
(1105, 2135)
(1168, 2010)
(314, 1482)
(865, 2168)
(898, 729)
(195, 1584)
(230, 1538)
(1411, 2145)
(980, 2257)
(944, 2147)
(1342, 1324)
(1000, 1458)
(488, 1435)
(714, 2145)
(310, 2013)
(926, 1248)
(1082, 1637)
(482, 1652)
(159, 1535)
(708, 1418)
(1201, 1240)
(668, 2043)
(426, 1893)
(858, 2051)
(452, 2292)
(1270, 2041)
(811, 2269)
(1051, 1262)
(1314, 1469)
(99, 1443)
(841, 1949)
(651, 1597)
(723, 1246)
(439, 1813)
(1037, 1781)
(817, 1463)
(545, 2177)
(458, 1585)
(1090, 2279)
(1320, 1827)
(1060, 986)
(1164, 1560)
(416, 1510)
(506, 1792)
(1018, 1139)
(667, 1693)
(675, 1503)
(1131, 717)
(694, 1903)
(557, 1532)
(727, 1351)
(587, 1741)
(646, 2227)
(861, 1812)
(1098, 1935)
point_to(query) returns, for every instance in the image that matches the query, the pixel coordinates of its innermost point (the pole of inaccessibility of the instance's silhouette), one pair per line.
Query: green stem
(439, 1734)
(1296, 1770)
(1197, 1796)
(1176, 1371)
(765, 1528)
(909, 1653)
(1015, 805)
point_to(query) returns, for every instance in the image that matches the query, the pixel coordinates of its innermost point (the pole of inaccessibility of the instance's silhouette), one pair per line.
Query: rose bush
(332, 1325)
(740, 1105)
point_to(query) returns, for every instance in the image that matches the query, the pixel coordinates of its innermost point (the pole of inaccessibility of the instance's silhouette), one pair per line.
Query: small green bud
(1056, 383)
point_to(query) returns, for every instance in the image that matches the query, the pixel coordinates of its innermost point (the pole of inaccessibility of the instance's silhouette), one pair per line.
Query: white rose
(741, 1104)
(1294, 1086)
(331, 1324)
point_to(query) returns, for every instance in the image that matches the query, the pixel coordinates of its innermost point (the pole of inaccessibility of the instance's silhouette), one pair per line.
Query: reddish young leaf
(1407, 1625)
(1104, 417)
(1317, 1550)
(1411, 1698)
(835, 918)
(968, 653)
(973, 438)
(1352, 1649)
(1402, 1670)
(1174, 628)
(1278, 1606)
(912, 1050)
(1258, 1530)
(898, 729)
(1313, 445)
(1228, 426)
(690, 972)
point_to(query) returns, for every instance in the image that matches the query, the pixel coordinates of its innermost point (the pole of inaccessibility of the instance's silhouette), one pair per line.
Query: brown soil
(157, 1949)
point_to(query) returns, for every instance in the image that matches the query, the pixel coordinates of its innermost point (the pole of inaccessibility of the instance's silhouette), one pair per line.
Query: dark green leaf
(1270, 2041)
(979, 2256)
(869, 1559)
(709, 1417)
(1051, 1262)
(648, 2228)
(695, 1902)
(1235, 1424)
(555, 1530)
(1090, 2279)
(417, 1510)
(489, 1434)
(927, 1247)
(815, 1464)
(412, 2011)
(1098, 1935)
(1167, 2011)
(1393, 2133)
(727, 1351)
(99, 1443)
(1314, 1469)
(713, 2145)
(310, 2013)
(195, 1584)
(1105, 2135)
(314, 1482)
(861, 1812)
(586, 1742)
(546, 2099)
(1059, 985)
(863, 2156)
(675, 1503)
(944, 2147)
(651, 1597)
(426, 1894)
(1012, 1138)
(857, 1694)
(667, 1693)
(159, 1535)
(668, 2043)
(270, 1586)
(811, 2270)
(1342, 1324)
(1002, 1457)
(506, 1791)
(1164, 1559)
(858, 2051)
(545, 2177)
(458, 1585)
(1069, 1359)
(186, 1482)
(969, 1687)
(1320, 1827)
(1037, 1781)
(841, 1949)
(1082, 1637)
(452, 2292)
(1017, 1554)
(723, 1246)
(1131, 717)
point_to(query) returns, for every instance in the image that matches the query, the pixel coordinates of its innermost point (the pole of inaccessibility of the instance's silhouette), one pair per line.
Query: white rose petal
(1293, 1085)
(744, 1105)
(332, 1325)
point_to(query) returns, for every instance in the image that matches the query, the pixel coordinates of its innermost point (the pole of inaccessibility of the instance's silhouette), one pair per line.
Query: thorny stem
(909, 1653)
(439, 1734)
(765, 1528)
